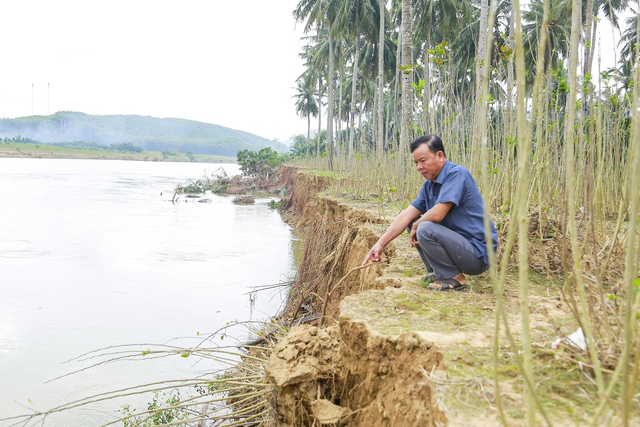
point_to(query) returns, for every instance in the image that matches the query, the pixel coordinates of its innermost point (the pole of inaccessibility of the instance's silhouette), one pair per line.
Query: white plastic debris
(576, 339)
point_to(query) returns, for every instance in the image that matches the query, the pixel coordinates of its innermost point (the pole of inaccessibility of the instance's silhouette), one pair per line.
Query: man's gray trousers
(446, 252)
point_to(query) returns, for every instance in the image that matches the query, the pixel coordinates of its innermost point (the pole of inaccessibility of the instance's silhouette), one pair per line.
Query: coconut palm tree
(354, 19)
(437, 21)
(629, 39)
(610, 9)
(559, 30)
(315, 13)
(306, 105)
(315, 56)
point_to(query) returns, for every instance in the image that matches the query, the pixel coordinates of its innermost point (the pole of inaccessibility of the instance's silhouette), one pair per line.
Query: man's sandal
(446, 285)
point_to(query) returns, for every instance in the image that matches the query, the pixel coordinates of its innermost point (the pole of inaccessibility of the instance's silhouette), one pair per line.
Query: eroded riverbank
(390, 352)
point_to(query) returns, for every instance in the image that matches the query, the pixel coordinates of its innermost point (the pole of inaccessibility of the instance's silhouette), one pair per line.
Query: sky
(231, 63)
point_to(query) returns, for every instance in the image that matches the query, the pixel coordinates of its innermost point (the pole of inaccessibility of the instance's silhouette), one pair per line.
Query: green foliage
(405, 69)
(300, 142)
(19, 139)
(275, 204)
(418, 87)
(126, 147)
(440, 53)
(263, 163)
(161, 409)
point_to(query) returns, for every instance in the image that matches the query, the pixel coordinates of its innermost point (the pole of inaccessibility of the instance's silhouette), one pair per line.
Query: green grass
(468, 318)
(326, 173)
(42, 151)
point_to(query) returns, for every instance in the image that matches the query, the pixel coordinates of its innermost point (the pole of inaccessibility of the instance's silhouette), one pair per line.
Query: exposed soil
(392, 353)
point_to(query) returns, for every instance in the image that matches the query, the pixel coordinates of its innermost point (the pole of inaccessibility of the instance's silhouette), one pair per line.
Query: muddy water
(94, 254)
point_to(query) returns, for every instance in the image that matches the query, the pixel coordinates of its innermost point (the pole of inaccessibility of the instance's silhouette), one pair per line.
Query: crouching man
(445, 221)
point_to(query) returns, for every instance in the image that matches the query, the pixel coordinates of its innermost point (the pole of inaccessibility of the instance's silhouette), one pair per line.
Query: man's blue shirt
(456, 185)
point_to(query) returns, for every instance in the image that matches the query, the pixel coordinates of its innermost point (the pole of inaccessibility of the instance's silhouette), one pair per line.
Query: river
(93, 253)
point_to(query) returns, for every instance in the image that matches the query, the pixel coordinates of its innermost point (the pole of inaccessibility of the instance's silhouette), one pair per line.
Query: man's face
(428, 164)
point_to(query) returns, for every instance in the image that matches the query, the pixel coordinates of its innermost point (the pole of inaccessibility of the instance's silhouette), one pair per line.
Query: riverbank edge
(43, 151)
(344, 370)
(387, 351)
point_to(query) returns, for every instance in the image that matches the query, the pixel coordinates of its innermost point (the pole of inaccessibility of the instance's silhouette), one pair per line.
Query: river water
(93, 254)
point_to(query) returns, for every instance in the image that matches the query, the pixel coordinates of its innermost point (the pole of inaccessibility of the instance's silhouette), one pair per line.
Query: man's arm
(398, 225)
(435, 214)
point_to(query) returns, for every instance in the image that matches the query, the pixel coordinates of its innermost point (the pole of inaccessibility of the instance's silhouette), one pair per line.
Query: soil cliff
(380, 349)
(344, 372)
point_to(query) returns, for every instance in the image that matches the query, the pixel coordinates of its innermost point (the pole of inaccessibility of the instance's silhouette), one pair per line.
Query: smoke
(147, 132)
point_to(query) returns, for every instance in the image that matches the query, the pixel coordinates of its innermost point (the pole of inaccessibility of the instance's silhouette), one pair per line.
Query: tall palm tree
(558, 32)
(377, 62)
(315, 54)
(629, 40)
(305, 103)
(437, 21)
(610, 9)
(355, 18)
(315, 13)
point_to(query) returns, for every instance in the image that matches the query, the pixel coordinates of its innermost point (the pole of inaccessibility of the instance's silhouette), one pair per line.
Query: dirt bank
(345, 372)
(385, 351)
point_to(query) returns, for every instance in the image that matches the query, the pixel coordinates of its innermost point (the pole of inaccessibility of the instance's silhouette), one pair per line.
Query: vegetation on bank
(554, 147)
(149, 133)
(94, 151)
(258, 174)
(554, 142)
(264, 163)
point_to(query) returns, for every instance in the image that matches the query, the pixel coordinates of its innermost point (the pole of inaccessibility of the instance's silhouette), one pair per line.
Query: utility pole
(47, 99)
(32, 99)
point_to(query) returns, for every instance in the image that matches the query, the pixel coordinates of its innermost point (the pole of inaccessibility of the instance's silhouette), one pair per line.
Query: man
(445, 220)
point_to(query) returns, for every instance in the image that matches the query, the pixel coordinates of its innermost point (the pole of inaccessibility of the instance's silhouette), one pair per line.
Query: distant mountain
(150, 133)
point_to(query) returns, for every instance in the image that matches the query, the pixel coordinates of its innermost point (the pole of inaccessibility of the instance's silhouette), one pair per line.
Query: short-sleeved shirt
(466, 217)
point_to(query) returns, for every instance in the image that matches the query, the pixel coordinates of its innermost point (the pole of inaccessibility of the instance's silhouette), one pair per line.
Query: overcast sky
(232, 63)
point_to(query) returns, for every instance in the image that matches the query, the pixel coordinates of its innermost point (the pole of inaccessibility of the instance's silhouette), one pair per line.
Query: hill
(150, 133)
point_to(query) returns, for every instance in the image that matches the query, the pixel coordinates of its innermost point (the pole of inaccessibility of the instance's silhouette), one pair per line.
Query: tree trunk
(330, 96)
(482, 46)
(588, 28)
(569, 185)
(397, 120)
(339, 121)
(319, 116)
(306, 155)
(407, 78)
(380, 136)
(354, 85)
(510, 80)
(522, 221)
(360, 108)
(426, 123)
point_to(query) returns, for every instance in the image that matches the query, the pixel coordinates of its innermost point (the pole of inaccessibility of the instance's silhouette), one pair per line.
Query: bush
(126, 146)
(264, 163)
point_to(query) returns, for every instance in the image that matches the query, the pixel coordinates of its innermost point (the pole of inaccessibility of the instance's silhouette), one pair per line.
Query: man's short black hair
(433, 142)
